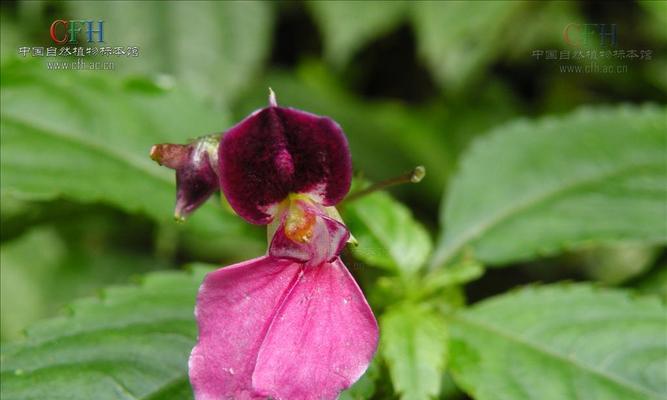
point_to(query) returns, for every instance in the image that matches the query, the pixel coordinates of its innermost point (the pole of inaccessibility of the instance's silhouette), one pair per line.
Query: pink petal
(277, 151)
(327, 241)
(321, 340)
(235, 307)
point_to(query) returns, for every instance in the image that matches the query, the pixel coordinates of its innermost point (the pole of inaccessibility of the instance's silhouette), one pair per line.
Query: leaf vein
(447, 252)
(509, 336)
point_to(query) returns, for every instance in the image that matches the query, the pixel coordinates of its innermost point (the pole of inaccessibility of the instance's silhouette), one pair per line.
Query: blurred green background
(411, 84)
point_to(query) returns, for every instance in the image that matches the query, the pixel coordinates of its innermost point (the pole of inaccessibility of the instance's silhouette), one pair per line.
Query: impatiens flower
(292, 324)
(196, 166)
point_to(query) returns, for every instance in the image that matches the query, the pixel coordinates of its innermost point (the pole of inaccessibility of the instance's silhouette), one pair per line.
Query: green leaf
(10, 36)
(348, 25)
(655, 282)
(534, 188)
(466, 270)
(387, 233)
(657, 17)
(132, 343)
(614, 264)
(458, 38)
(562, 342)
(214, 48)
(86, 137)
(541, 27)
(22, 272)
(414, 344)
(55, 262)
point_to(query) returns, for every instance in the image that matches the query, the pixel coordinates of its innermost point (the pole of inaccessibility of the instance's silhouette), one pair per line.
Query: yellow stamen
(299, 221)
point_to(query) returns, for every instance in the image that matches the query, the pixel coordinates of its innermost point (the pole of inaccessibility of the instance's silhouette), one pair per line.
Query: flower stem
(415, 175)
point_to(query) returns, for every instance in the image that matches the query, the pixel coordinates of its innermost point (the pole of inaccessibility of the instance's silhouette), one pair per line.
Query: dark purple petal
(235, 307)
(277, 151)
(323, 240)
(322, 339)
(196, 180)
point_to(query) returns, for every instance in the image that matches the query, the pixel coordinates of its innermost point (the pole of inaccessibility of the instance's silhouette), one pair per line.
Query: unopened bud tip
(272, 98)
(418, 174)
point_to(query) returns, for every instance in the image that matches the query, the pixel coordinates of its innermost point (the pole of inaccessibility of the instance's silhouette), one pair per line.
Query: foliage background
(451, 86)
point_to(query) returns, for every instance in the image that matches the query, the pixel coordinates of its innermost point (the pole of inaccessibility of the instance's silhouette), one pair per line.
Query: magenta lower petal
(277, 151)
(235, 307)
(322, 339)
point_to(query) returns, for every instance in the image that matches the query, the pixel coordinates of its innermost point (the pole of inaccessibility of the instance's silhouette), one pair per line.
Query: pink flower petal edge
(322, 339)
(235, 306)
(274, 328)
